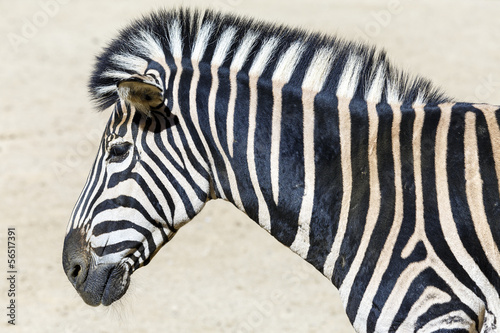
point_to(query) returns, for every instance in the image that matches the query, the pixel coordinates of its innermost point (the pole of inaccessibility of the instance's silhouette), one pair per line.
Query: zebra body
(384, 185)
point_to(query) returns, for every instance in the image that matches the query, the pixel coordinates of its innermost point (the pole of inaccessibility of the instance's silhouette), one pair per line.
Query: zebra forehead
(359, 71)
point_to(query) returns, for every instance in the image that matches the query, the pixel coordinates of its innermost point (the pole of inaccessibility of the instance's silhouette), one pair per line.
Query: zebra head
(142, 188)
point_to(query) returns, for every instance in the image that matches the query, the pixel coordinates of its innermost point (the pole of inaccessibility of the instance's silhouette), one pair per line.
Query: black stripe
(328, 181)
(284, 222)
(239, 161)
(262, 137)
(117, 247)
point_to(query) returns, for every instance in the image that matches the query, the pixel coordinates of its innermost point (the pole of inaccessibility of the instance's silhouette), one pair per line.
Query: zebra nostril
(75, 261)
(75, 271)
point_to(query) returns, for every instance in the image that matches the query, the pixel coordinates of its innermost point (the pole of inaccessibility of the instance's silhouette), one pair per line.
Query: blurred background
(221, 273)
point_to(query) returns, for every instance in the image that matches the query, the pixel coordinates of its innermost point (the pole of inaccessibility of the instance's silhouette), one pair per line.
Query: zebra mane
(350, 68)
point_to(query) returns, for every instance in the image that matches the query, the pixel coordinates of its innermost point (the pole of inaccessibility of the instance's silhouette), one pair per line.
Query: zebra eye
(118, 152)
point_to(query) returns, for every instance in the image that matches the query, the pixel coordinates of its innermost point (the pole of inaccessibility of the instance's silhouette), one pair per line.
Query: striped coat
(384, 185)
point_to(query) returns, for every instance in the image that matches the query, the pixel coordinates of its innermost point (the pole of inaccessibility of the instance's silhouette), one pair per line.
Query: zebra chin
(96, 283)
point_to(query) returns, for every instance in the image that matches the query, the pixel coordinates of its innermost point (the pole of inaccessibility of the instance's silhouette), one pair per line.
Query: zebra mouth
(116, 284)
(104, 284)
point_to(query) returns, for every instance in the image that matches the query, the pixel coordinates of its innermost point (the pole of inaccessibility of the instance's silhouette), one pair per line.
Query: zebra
(380, 181)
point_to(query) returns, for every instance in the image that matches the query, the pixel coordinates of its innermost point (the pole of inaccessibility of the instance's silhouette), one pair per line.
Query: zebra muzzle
(96, 284)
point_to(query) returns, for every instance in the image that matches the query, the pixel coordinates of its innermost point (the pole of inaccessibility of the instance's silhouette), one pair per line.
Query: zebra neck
(323, 174)
(290, 158)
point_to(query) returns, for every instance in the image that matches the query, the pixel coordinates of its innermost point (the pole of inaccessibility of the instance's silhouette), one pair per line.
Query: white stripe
(103, 90)
(114, 74)
(129, 61)
(287, 63)
(117, 236)
(374, 94)
(147, 45)
(224, 42)
(201, 42)
(180, 213)
(244, 49)
(282, 74)
(91, 178)
(132, 214)
(175, 39)
(349, 80)
(420, 99)
(262, 58)
(111, 258)
(219, 55)
(156, 189)
(236, 65)
(392, 92)
(123, 106)
(318, 70)
(256, 70)
(169, 123)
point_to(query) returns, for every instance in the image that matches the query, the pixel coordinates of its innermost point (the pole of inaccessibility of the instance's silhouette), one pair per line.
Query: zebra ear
(141, 91)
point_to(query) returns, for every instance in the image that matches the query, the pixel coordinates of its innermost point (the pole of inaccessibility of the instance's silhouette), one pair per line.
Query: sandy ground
(222, 273)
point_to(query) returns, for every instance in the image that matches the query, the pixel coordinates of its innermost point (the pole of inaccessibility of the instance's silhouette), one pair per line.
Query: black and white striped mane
(155, 36)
